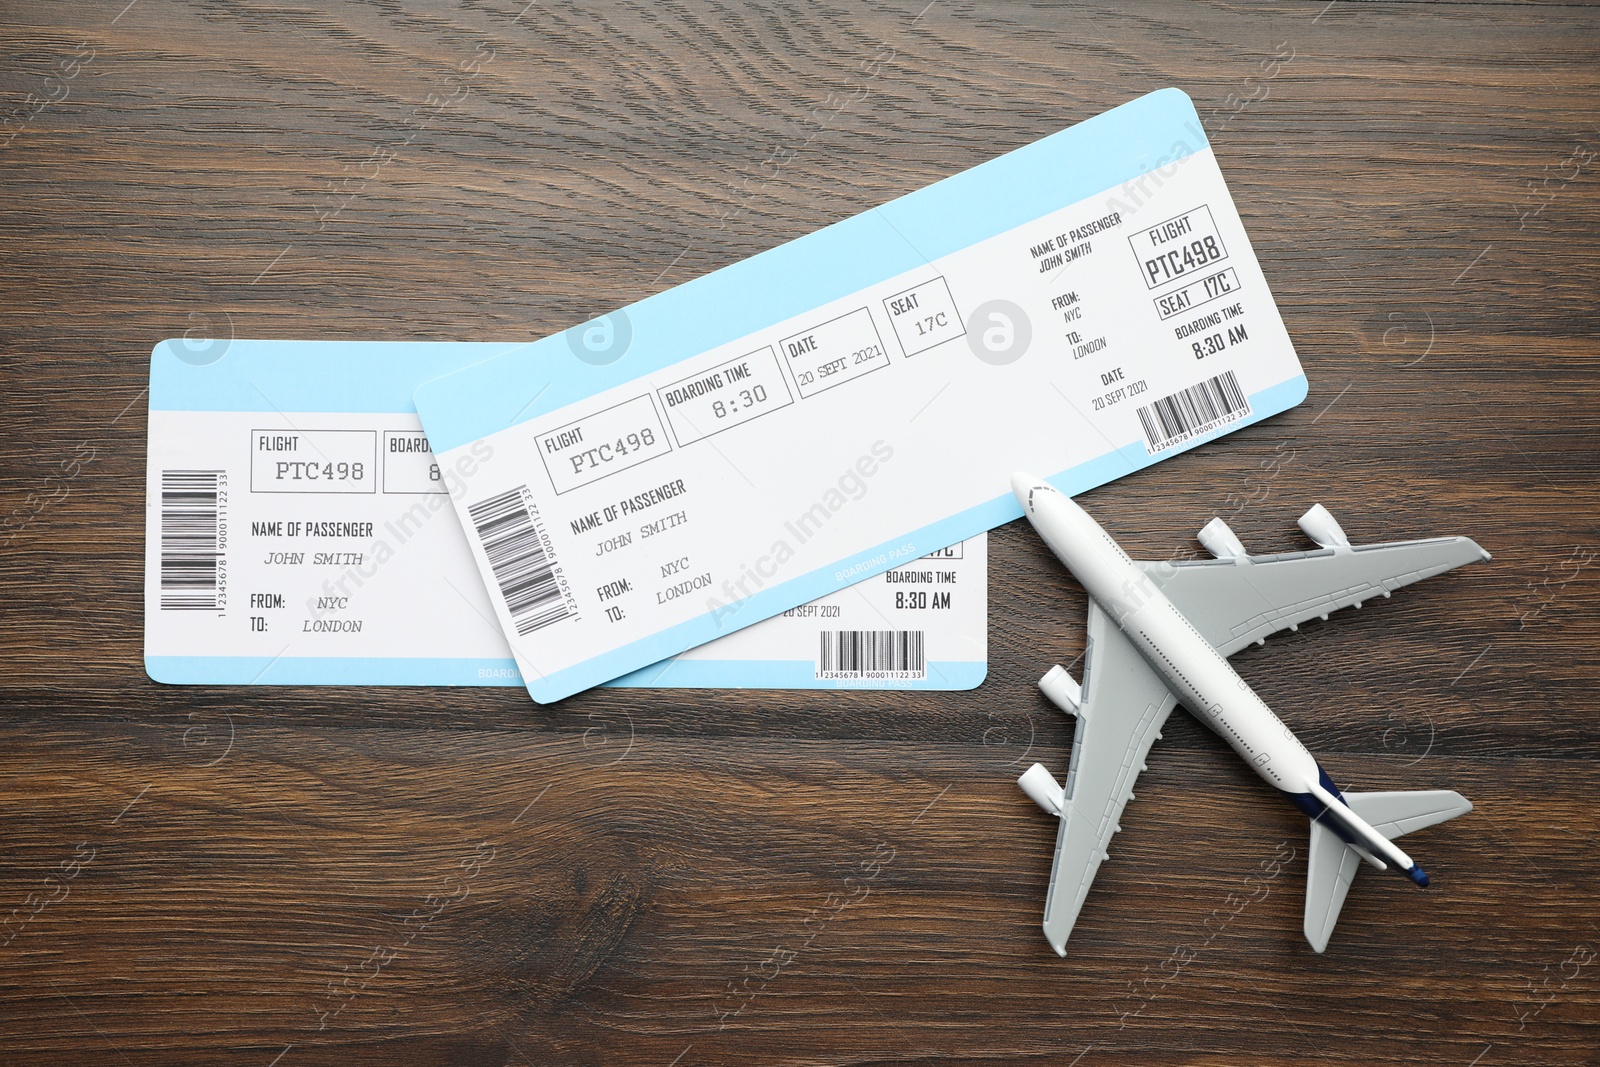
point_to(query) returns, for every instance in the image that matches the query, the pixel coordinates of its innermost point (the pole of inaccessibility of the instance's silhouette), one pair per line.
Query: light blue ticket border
(373, 377)
(1098, 155)
(377, 377)
(669, 674)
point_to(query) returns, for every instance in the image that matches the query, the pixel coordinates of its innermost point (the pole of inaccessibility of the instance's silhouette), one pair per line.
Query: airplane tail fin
(1333, 863)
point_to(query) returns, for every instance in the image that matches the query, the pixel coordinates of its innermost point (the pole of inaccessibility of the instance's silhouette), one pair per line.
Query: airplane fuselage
(1196, 673)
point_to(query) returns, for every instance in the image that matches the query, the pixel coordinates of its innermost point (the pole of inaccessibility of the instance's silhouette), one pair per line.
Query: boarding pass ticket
(298, 531)
(832, 408)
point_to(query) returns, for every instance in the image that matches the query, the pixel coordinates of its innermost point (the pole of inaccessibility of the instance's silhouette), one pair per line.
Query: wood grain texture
(377, 876)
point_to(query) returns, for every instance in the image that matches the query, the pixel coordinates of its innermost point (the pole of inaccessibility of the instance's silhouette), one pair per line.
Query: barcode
(871, 654)
(1192, 411)
(191, 553)
(523, 567)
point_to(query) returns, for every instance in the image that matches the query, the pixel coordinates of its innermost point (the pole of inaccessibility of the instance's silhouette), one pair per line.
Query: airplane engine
(1323, 528)
(1062, 689)
(1220, 540)
(1042, 789)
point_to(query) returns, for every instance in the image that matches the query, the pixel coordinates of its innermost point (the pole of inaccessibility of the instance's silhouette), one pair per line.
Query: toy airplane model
(1160, 633)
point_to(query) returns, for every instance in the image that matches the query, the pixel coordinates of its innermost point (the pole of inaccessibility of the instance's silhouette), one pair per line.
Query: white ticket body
(299, 531)
(759, 437)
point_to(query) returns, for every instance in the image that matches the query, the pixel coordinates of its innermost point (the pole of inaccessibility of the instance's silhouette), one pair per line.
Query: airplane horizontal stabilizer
(1333, 863)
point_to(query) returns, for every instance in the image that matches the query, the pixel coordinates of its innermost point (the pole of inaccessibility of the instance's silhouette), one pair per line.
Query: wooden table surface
(356, 876)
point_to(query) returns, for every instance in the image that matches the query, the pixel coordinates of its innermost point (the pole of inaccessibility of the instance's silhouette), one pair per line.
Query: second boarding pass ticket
(833, 408)
(299, 531)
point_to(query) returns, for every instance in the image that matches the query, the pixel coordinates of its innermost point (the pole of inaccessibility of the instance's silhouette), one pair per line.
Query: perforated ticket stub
(762, 436)
(299, 531)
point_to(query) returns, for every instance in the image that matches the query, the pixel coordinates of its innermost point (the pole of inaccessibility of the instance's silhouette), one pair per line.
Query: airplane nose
(1022, 484)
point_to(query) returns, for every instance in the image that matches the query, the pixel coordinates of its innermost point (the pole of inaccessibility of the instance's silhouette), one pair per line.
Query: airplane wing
(1241, 599)
(1120, 716)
